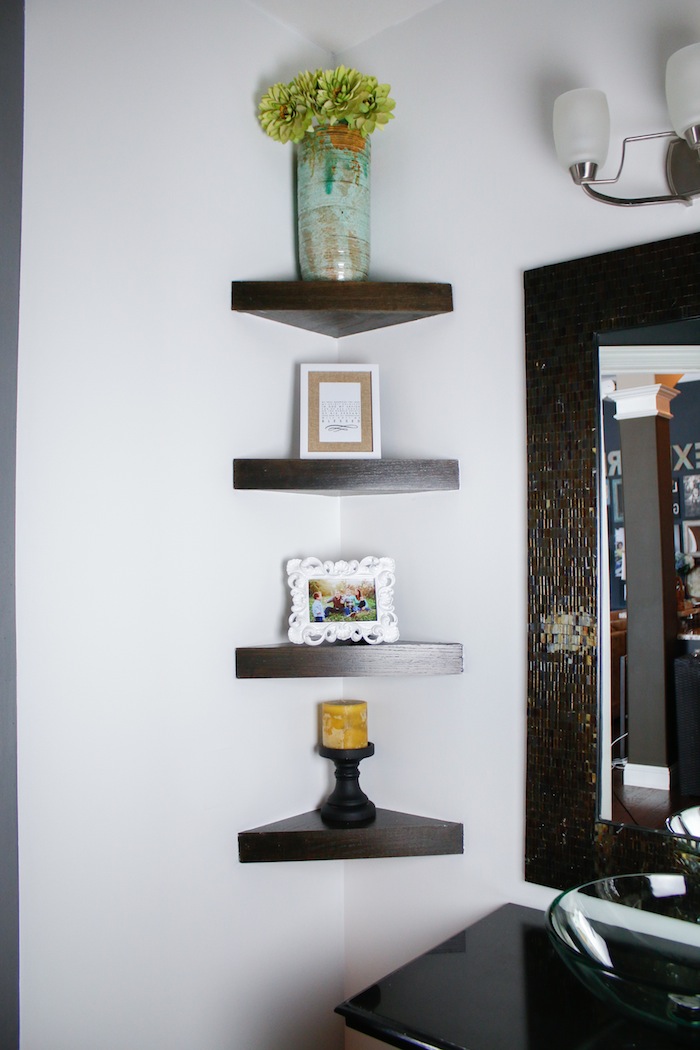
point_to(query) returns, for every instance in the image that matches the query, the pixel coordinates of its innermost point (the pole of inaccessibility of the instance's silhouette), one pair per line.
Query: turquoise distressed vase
(333, 172)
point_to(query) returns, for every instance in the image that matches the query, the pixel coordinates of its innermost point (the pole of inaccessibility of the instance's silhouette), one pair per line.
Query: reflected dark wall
(567, 306)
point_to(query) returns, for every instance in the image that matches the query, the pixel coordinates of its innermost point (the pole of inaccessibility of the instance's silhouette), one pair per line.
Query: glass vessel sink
(685, 825)
(634, 940)
(686, 822)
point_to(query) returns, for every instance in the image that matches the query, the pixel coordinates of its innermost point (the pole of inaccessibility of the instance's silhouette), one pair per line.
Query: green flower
(339, 95)
(376, 108)
(305, 87)
(284, 114)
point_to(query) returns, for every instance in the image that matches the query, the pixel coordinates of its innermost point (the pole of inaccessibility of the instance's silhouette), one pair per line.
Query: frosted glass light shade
(581, 127)
(683, 88)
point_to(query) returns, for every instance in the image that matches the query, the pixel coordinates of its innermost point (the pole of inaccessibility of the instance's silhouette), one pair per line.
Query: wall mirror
(571, 309)
(648, 611)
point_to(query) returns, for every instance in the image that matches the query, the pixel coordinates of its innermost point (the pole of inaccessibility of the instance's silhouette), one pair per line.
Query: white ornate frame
(302, 630)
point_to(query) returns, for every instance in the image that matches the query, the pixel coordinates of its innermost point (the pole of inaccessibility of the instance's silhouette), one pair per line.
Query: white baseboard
(658, 777)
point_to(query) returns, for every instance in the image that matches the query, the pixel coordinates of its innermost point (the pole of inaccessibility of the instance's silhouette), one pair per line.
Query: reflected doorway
(629, 792)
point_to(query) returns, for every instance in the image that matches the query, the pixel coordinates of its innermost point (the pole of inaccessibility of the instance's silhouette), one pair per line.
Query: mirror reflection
(649, 616)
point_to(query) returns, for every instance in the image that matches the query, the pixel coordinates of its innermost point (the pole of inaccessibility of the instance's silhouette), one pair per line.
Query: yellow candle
(344, 724)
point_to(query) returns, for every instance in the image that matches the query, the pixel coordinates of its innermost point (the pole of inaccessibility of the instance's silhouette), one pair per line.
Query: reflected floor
(646, 807)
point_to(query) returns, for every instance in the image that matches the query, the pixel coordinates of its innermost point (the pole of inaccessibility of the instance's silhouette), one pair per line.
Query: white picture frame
(342, 601)
(339, 412)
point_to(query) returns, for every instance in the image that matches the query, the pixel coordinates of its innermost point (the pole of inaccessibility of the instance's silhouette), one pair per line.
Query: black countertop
(498, 985)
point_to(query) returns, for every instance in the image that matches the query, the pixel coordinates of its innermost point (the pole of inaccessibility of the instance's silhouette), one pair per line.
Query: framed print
(619, 559)
(339, 412)
(691, 537)
(342, 601)
(691, 495)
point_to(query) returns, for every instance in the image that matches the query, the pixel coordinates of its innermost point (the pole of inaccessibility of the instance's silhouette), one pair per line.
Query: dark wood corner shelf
(338, 477)
(349, 660)
(392, 834)
(338, 308)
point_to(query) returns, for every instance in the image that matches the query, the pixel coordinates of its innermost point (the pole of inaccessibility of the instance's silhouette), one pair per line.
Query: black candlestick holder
(347, 804)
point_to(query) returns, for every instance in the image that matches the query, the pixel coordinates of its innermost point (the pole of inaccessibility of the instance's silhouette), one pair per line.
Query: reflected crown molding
(638, 401)
(615, 360)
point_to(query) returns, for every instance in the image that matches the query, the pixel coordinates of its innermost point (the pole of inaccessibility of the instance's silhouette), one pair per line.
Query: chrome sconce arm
(682, 170)
(582, 135)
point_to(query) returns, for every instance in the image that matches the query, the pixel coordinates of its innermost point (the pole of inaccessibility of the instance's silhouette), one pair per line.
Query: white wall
(148, 188)
(466, 189)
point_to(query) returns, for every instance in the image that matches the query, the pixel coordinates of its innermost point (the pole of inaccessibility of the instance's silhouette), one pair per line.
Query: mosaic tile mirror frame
(566, 306)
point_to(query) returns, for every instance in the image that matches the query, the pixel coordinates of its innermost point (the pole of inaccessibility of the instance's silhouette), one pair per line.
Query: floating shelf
(349, 660)
(338, 308)
(337, 477)
(392, 834)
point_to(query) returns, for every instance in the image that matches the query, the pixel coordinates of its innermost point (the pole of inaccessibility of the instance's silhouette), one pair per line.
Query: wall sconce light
(582, 135)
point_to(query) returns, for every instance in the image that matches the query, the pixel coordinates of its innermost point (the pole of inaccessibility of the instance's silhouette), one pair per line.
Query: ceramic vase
(333, 198)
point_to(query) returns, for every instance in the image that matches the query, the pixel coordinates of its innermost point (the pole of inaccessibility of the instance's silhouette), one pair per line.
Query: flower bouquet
(288, 112)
